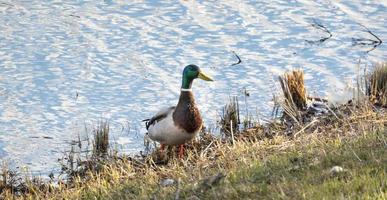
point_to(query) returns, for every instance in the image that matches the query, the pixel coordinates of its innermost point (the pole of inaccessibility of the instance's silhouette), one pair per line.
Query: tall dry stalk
(377, 85)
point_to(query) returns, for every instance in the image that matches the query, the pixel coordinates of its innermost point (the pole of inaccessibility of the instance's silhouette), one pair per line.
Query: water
(64, 66)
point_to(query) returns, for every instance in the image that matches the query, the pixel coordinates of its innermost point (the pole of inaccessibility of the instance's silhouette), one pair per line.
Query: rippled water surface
(66, 65)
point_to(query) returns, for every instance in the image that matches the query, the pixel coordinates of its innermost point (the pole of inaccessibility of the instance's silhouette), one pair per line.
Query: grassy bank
(350, 168)
(340, 155)
(334, 169)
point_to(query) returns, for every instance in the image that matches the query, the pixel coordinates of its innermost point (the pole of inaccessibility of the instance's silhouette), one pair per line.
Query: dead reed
(230, 118)
(101, 139)
(293, 88)
(377, 85)
(9, 180)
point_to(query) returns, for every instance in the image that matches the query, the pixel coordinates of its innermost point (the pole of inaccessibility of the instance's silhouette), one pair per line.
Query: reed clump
(230, 118)
(101, 139)
(293, 88)
(9, 180)
(377, 85)
(13, 184)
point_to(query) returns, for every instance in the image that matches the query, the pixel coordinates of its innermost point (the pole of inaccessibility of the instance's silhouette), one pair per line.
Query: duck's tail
(146, 123)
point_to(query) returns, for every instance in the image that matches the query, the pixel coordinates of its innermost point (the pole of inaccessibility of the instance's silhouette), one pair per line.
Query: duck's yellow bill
(203, 76)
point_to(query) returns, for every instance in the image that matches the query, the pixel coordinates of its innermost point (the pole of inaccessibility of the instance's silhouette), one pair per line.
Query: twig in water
(319, 26)
(73, 15)
(239, 59)
(367, 42)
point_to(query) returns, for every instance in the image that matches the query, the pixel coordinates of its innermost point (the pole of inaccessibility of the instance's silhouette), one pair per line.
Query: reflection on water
(64, 66)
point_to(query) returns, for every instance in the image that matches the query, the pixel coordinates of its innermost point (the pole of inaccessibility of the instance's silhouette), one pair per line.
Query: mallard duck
(179, 124)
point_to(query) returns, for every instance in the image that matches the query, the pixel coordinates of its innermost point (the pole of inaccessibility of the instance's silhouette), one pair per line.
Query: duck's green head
(190, 73)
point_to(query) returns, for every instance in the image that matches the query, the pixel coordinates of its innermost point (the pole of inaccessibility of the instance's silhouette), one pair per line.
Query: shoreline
(292, 157)
(212, 164)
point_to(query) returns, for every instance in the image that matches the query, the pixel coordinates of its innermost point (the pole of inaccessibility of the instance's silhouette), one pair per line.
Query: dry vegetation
(101, 140)
(377, 85)
(293, 87)
(230, 117)
(267, 162)
(333, 155)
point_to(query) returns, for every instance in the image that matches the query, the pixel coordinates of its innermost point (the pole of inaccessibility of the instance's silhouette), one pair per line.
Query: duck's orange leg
(181, 151)
(162, 146)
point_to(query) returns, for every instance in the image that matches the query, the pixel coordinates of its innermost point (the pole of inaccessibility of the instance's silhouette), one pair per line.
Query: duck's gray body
(178, 124)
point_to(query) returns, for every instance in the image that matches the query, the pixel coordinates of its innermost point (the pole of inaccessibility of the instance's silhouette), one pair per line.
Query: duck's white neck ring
(186, 90)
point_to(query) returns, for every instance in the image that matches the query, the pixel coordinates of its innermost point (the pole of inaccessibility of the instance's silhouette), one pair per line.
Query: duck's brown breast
(187, 115)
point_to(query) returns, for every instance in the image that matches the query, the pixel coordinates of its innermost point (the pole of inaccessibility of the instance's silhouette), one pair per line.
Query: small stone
(336, 170)
(167, 182)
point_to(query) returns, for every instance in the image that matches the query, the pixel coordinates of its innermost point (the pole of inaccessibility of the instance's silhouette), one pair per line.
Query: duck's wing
(163, 113)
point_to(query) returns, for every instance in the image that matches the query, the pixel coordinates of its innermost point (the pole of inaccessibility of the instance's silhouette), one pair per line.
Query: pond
(67, 65)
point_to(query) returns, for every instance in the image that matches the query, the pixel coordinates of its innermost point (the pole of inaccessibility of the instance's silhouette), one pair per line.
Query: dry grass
(230, 118)
(292, 84)
(377, 86)
(217, 168)
(101, 139)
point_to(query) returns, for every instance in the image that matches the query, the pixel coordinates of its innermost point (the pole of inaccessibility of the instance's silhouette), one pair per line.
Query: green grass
(297, 173)
(304, 173)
